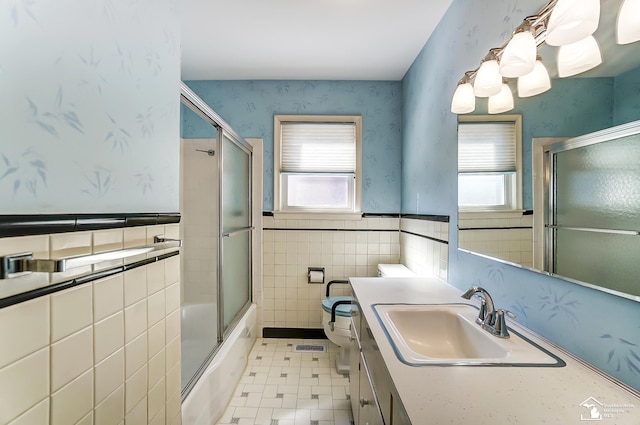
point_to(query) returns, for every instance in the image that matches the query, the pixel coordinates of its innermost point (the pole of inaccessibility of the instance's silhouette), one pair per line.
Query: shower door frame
(197, 105)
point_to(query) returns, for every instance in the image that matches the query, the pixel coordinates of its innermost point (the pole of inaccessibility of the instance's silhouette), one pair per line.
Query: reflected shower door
(596, 214)
(236, 229)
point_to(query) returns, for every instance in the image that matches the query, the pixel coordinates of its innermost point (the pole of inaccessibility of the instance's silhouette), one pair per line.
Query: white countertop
(489, 395)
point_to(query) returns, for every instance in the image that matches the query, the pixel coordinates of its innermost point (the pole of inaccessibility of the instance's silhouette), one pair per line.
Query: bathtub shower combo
(218, 321)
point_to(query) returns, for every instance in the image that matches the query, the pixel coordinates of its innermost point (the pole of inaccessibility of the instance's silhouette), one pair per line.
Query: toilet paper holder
(315, 275)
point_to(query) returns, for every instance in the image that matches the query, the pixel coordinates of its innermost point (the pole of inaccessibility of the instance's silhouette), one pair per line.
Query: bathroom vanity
(522, 379)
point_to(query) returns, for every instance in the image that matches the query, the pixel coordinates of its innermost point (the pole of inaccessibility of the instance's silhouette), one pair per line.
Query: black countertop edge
(42, 224)
(61, 286)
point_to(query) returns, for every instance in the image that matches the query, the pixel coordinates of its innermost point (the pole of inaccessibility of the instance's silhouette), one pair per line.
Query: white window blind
(486, 147)
(318, 147)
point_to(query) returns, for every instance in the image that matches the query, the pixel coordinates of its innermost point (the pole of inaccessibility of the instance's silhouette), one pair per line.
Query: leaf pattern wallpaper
(89, 112)
(601, 328)
(90, 119)
(249, 107)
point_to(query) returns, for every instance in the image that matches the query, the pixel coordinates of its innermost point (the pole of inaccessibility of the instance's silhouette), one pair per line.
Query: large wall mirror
(522, 227)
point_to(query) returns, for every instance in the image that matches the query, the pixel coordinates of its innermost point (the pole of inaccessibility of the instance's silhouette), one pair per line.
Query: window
(489, 163)
(317, 163)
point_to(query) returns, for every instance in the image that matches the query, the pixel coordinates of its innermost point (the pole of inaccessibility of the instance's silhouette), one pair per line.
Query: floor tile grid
(281, 387)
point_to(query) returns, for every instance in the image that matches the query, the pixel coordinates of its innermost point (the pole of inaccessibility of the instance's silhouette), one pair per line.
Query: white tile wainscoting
(509, 239)
(103, 352)
(424, 246)
(345, 248)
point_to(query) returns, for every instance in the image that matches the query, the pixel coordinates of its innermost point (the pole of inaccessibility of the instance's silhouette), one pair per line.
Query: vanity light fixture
(628, 23)
(565, 23)
(572, 20)
(535, 82)
(501, 102)
(488, 80)
(519, 56)
(464, 101)
(578, 57)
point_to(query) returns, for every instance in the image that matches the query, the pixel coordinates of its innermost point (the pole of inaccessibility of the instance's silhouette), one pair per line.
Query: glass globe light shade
(464, 101)
(578, 57)
(519, 56)
(501, 102)
(535, 82)
(572, 20)
(628, 23)
(488, 79)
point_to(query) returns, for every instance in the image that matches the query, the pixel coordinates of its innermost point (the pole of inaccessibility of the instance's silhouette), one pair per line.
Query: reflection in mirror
(593, 209)
(601, 98)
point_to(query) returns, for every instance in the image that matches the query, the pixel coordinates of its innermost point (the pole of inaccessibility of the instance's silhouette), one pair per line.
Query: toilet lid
(343, 310)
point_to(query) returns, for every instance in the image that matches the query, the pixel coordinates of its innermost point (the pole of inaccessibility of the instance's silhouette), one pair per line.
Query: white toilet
(339, 331)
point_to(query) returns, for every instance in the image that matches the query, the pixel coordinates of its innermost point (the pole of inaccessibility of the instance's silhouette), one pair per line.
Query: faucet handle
(482, 314)
(500, 326)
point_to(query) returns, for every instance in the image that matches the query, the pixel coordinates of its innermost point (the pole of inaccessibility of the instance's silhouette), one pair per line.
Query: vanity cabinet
(374, 400)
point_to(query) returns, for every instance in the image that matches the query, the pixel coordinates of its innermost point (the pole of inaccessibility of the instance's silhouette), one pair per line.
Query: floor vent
(307, 348)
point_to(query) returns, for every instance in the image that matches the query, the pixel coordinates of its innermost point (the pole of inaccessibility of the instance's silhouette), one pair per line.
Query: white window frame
(278, 190)
(513, 185)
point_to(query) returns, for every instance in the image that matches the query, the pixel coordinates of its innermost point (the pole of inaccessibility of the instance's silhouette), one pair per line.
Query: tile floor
(281, 387)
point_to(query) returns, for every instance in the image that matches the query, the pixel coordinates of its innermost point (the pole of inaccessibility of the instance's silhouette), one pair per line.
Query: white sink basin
(446, 334)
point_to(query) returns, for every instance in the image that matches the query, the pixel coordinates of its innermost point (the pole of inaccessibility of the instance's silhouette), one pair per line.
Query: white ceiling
(304, 39)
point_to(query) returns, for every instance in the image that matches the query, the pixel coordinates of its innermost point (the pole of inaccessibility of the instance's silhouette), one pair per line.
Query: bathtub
(208, 399)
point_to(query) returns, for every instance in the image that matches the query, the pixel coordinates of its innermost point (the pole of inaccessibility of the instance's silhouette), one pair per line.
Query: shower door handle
(236, 232)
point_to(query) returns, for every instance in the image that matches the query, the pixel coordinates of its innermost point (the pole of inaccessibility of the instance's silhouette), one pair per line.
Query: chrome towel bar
(19, 264)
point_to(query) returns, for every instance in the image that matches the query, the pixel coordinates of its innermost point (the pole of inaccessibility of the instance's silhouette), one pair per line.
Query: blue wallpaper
(192, 126)
(89, 107)
(249, 107)
(627, 97)
(601, 328)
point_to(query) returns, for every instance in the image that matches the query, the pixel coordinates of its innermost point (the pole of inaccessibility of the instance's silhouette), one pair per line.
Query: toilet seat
(343, 310)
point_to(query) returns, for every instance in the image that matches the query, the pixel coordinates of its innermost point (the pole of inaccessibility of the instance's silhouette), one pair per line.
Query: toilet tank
(394, 270)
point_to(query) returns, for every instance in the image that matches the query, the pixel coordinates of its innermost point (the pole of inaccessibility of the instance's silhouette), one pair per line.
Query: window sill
(299, 215)
(490, 214)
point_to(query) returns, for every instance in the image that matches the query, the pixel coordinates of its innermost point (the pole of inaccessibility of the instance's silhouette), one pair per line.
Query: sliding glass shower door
(216, 228)
(236, 229)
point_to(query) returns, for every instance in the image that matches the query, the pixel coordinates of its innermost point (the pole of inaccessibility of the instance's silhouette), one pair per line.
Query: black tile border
(315, 229)
(296, 333)
(497, 228)
(44, 224)
(61, 286)
(427, 217)
(365, 215)
(425, 237)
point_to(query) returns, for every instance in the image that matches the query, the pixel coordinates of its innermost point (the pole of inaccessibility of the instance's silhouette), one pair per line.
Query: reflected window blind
(318, 147)
(486, 147)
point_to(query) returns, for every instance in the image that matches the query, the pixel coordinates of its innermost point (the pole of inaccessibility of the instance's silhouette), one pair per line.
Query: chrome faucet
(490, 319)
